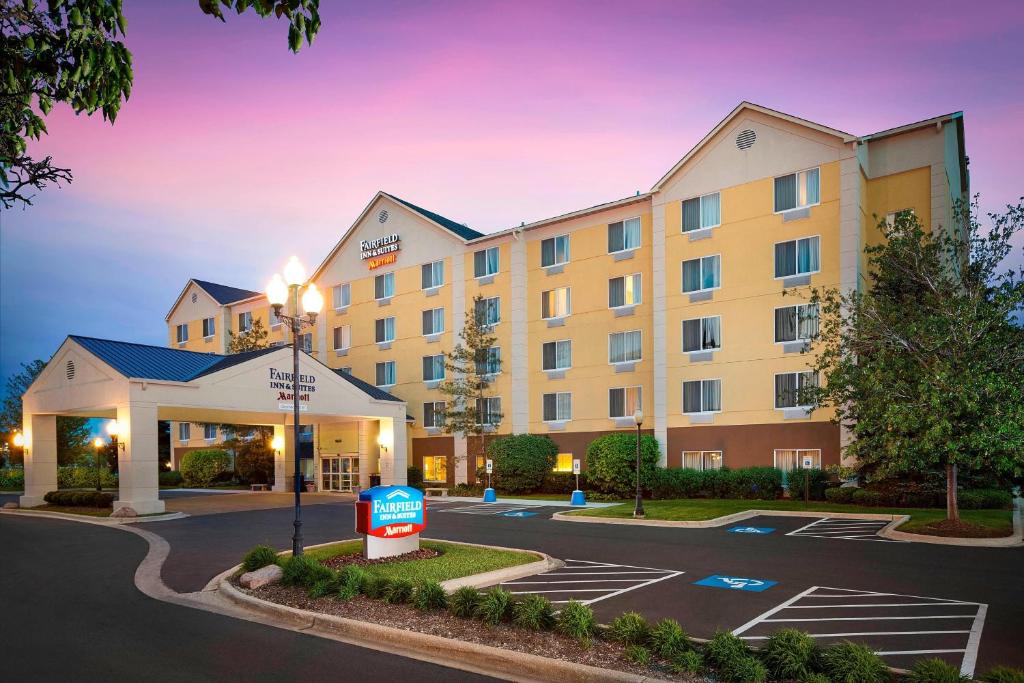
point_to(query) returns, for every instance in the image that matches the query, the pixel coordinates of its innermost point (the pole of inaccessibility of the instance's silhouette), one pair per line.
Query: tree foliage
(926, 365)
(521, 461)
(253, 339)
(72, 432)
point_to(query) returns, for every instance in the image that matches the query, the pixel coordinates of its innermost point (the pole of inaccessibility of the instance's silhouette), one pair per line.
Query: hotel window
(208, 328)
(433, 414)
(624, 291)
(485, 262)
(342, 295)
(432, 275)
(346, 369)
(624, 401)
(435, 468)
(210, 432)
(488, 311)
(789, 459)
(702, 460)
(244, 321)
(488, 411)
(181, 333)
(556, 355)
(557, 406)
(554, 251)
(385, 374)
(433, 321)
(797, 190)
(890, 218)
(342, 337)
(790, 388)
(796, 257)
(624, 347)
(384, 330)
(306, 342)
(489, 361)
(563, 463)
(702, 396)
(702, 212)
(702, 334)
(384, 286)
(702, 274)
(624, 235)
(433, 368)
(184, 431)
(555, 303)
(796, 323)
(274, 320)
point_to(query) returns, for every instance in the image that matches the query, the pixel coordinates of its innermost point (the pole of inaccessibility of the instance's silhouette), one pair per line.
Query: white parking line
(485, 509)
(596, 573)
(847, 529)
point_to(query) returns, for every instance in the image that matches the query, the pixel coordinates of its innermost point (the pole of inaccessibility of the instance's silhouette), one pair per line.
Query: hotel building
(670, 301)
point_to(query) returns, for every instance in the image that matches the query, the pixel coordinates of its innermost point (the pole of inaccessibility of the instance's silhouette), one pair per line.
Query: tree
(253, 339)
(926, 366)
(470, 368)
(72, 432)
(69, 51)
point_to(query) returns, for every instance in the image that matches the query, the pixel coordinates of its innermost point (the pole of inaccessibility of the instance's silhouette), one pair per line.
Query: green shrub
(84, 477)
(200, 468)
(467, 490)
(562, 482)
(399, 592)
(1003, 674)
(12, 479)
(375, 587)
(630, 628)
(303, 570)
(611, 462)
(495, 606)
(463, 602)
(414, 477)
(521, 461)
(817, 481)
(985, 499)
(815, 677)
(848, 662)
(94, 499)
(935, 670)
(688, 661)
(533, 612)
(324, 586)
(761, 483)
(254, 462)
(259, 557)
(747, 669)
(678, 482)
(576, 620)
(840, 494)
(668, 639)
(638, 654)
(790, 653)
(350, 581)
(429, 596)
(868, 497)
(172, 478)
(724, 649)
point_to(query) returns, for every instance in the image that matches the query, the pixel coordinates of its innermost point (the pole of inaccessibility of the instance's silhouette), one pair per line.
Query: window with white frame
(554, 251)
(384, 330)
(702, 396)
(209, 328)
(624, 401)
(703, 460)
(306, 342)
(702, 212)
(625, 347)
(789, 459)
(488, 361)
(181, 333)
(342, 295)
(624, 235)
(701, 274)
(433, 414)
(557, 406)
(624, 291)
(435, 468)
(433, 321)
(797, 190)
(488, 311)
(210, 432)
(384, 286)
(245, 321)
(797, 257)
(488, 411)
(485, 262)
(385, 374)
(556, 355)
(433, 368)
(890, 218)
(796, 323)
(184, 431)
(702, 334)
(432, 275)
(555, 303)
(342, 337)
(791, 388)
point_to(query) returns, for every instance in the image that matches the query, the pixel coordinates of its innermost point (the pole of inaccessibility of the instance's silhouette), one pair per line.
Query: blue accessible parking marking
(736, 583)
(750, 530)
(518, 513)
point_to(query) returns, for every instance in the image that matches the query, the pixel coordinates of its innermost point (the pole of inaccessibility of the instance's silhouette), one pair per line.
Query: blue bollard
(490, 496)
(578, 498)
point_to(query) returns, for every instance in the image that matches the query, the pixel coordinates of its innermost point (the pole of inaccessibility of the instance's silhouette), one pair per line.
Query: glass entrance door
(339, 473)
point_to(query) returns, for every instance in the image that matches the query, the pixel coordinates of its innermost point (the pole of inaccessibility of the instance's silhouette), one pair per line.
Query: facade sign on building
(281, 382)
(381, 251)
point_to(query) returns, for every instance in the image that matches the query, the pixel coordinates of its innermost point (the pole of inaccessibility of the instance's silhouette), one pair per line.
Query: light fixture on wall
(114, 428)
(384, 443)
(19, 440)
(277, 443)
(98, 443)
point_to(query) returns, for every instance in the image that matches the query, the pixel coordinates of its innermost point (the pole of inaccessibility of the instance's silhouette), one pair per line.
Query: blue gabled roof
(463, 231)
(225, 294)
(144, 361)
(233, 359)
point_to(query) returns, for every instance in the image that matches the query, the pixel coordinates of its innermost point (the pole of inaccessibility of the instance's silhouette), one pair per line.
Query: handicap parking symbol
(750, 530)
(518, 513)
(736, 583)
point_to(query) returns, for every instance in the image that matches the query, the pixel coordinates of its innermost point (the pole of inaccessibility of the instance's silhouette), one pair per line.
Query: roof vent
(195, 297)
(746, 139)
(383, 216)
(70, 370)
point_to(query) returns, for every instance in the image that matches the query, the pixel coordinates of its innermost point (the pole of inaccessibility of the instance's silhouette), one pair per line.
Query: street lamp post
(98, 444)
(638, 509)
(279, 292)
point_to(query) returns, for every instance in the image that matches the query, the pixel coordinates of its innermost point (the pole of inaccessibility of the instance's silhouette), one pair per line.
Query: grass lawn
(454, 562)
(699, 509)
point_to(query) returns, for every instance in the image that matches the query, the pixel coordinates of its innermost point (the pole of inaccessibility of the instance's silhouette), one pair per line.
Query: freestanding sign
(577, 497)
(489, 495)
(390, 518)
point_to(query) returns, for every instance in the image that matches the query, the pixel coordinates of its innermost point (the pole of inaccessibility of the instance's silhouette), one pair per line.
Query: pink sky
(233, 153)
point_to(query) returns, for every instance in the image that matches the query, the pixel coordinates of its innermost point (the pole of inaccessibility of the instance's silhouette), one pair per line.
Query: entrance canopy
(139, 384)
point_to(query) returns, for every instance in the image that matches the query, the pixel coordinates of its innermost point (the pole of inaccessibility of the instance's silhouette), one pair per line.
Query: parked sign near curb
(736, 583)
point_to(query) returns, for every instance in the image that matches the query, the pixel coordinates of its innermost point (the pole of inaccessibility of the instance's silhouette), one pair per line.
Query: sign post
(390, 519)
(577, 496)
(489, 495)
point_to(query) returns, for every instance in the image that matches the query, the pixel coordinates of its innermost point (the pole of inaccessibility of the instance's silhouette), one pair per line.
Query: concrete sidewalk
(244, 501)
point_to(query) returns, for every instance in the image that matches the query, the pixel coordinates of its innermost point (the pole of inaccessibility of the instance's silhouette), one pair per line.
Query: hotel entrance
(339, 473)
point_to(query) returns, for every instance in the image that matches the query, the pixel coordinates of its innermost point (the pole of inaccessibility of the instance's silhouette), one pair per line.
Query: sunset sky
(234, 153)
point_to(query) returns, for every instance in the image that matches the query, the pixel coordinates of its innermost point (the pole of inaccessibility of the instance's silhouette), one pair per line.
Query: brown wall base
(754, 445)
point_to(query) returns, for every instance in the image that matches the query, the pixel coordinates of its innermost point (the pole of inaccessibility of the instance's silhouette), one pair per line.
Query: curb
(1013, 540)
(103, 521)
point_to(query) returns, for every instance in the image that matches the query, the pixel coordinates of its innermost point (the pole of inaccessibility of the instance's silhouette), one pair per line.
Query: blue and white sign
(750, 530)
(390, 511)
(737, 583)
(518, 513)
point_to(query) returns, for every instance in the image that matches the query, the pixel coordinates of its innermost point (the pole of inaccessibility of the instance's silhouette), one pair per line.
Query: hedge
(12, 479)
(80, 499)
(200, 468)
(254, 462)
(83, 477)
(817, 484)
(172, 478)
(611, 462)
(761, 483)
(521, 461)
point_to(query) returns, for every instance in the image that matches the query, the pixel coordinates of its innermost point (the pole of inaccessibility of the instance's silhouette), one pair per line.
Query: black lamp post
(98, 444)
(278, 293)
(638, 509)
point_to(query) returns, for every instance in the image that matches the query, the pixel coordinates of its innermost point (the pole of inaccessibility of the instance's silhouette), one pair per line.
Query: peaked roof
(463, 231)
(373, 391)
(225, 294)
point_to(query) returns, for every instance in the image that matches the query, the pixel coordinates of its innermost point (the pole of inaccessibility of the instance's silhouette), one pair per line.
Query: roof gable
(463, 231)
(148, 362)
(225, 294)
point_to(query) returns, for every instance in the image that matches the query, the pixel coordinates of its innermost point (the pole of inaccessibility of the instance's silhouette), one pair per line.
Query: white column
(280, 460)
(399, 451)
(517, 309)
(369, 451)
(660, 376)
(40, 433)
(137, 460)
(460, 459)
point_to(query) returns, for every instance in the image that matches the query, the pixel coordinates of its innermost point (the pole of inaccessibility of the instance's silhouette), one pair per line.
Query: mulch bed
(339, 561)
(600, 653)
(960, 529)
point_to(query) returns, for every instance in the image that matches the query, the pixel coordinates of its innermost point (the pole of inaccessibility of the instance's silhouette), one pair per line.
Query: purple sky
(233, 153)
